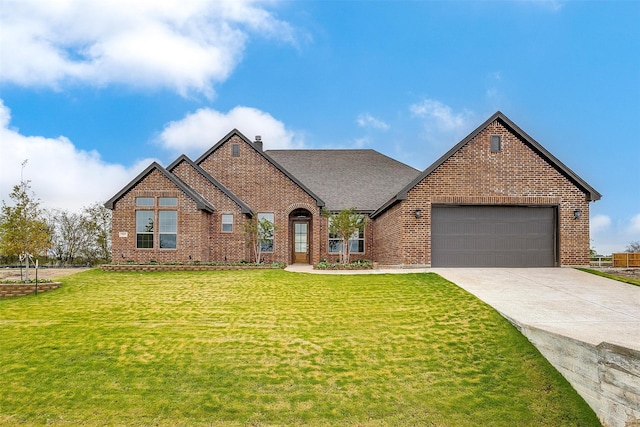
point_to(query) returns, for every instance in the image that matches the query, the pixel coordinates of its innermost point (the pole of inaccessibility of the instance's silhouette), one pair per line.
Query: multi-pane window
(227, 223)
(168, 229)
(167, 223)
(266, 236)
(356, 242)
(144, 229)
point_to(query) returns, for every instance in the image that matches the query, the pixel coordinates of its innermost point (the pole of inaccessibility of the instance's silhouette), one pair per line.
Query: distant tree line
(54, 236)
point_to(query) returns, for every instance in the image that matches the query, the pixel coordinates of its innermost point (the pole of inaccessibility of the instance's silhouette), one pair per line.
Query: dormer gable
(201, 203)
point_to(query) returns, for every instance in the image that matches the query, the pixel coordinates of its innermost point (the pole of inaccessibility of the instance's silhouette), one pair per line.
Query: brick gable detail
(264, 188)
(516, 175)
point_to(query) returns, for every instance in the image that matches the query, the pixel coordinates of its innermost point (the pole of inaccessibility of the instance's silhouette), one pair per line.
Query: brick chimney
(258, 143)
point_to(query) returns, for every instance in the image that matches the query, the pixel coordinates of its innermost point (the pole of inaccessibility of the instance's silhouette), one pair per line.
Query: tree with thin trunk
(259, 234)
(345, 224)
(24, 231)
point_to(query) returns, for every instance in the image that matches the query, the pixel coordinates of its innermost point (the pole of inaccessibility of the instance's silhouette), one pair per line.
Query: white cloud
(634, 225)
(367, 120)
(599, 223)
(199, 131)
(183, 45)
(61, 175)
(442, 125)
(609, 236)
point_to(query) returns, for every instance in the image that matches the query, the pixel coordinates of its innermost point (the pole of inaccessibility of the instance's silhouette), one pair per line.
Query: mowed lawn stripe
(271, 348)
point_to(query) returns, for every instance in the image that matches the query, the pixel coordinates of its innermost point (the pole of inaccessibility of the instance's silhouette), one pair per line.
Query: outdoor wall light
(418, 213)
(577, 214)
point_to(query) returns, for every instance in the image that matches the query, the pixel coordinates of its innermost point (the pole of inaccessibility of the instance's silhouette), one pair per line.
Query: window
(168, 228)
(356, 242)
(496, 143)
(144, 229)
(145, 201)
(266, 237)
(227, 223)
(235, 150)
(168, 201)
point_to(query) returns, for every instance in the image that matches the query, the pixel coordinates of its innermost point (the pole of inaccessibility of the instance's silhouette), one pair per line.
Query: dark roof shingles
(363, 179)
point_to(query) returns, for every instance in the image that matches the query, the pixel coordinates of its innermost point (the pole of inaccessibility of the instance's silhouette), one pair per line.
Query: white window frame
(354, 240)
(226, 220)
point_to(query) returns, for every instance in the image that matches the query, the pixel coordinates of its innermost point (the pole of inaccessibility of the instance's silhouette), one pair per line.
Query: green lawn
(271, 348)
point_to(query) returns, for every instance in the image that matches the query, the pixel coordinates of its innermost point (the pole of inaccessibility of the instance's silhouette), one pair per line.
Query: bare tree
(69, 235)
(98, 224)
(633, 247)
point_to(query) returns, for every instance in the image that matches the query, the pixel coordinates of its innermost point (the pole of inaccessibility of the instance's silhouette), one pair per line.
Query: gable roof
(363, 179)
(236, 132)
(591, 193)
(244, 208)
(201, 203)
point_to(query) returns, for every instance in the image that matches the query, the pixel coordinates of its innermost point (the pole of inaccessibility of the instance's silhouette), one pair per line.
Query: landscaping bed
(191, 267)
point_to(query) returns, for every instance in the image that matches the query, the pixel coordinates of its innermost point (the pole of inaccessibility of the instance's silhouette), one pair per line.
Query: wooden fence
(626, 259)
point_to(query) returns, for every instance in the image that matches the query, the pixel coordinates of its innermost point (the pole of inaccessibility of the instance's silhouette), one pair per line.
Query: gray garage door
(493, 236)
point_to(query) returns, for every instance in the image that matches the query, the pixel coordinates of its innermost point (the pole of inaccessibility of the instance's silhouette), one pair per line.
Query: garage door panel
(493, 236)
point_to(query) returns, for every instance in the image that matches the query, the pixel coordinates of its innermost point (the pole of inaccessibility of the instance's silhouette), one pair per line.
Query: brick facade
(515, 175)
(236, 178)
(193, 229)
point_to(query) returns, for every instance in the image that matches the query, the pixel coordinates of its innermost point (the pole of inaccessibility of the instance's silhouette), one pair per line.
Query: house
(497, 198)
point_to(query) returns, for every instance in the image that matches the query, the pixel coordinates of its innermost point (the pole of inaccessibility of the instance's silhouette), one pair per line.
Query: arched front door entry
(300, 232)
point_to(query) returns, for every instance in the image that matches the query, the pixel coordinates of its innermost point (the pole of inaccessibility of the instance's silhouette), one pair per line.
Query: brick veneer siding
(333, 257)
(222, 246)
(264, 188)
(516, 175)
(193, 224)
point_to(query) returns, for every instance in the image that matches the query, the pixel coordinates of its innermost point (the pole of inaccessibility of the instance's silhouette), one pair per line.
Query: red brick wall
(265, 189)
(222, 246)
(474, 175)
(192, 236)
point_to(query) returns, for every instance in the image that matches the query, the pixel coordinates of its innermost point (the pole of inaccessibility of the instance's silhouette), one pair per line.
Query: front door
(300, 242)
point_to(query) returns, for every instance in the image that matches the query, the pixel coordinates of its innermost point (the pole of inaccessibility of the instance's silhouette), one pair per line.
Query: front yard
(271, 348)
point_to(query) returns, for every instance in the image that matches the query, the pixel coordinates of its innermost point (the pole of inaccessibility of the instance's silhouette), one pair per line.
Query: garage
(493, 236)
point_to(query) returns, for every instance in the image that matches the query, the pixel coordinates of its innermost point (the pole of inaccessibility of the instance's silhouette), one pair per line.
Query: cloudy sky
(92, 91)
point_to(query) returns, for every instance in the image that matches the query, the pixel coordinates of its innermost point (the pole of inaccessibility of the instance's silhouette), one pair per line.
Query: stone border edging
(8, 290)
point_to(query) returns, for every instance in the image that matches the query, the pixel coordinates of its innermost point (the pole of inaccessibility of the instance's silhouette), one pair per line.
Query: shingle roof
(590, 192)
(201, 203)
(364, 179)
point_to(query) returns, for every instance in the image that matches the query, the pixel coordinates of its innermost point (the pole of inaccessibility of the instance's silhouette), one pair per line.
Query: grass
(623, 279)
(271, 348)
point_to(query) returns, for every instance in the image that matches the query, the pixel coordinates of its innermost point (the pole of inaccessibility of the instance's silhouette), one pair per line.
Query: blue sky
(91, 92)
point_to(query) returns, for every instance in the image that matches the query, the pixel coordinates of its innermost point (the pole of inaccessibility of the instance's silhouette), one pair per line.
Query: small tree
(260, 234)
(344, 225)
(23, 229)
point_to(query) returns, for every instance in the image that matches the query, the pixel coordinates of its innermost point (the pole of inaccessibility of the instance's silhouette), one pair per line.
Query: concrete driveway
(565, 301)
(588, 327)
